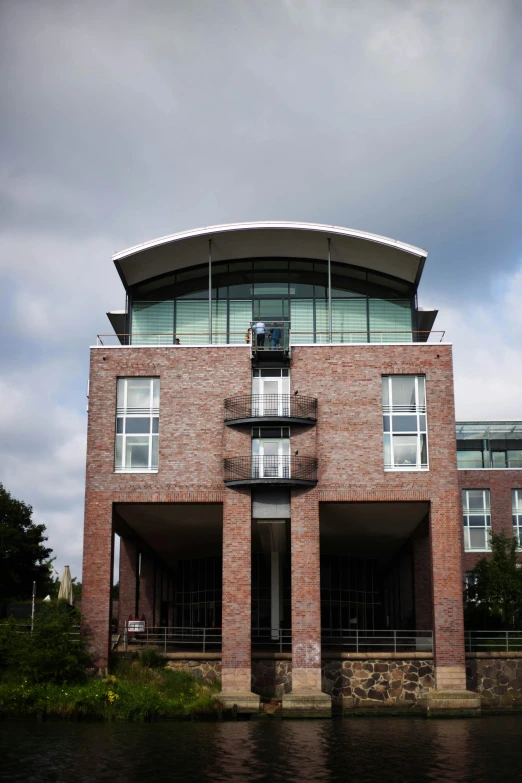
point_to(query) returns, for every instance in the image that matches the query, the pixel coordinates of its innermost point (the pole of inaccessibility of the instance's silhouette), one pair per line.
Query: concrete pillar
(128, 581)
(147, 584)
(97, 575)
(446, 571)
(306, 698)
(236, 623)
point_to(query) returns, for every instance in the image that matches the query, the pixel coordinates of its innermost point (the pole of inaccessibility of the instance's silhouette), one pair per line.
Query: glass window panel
(269, 289)
(192, 322)
(154, 456)
(386, 423)
(475, 498)
(240, 316)
(514, 458)
(137, 452)
(476, 520)
(405, 449)
(119, 424)
(349, 321)
(118, 457)
(138, 392)
(404, 423)
(421, 386)
(301, 289)
(152, 323)
(386, 391)
(120, 392)
(424, 449)
(134, 424)
(498, 459)
(155, 424)
(422, 423)
(302, 321)
(477, 539)
(403, 390)
(390, 321)
(155, 392)
(469, 459)
(240, 291)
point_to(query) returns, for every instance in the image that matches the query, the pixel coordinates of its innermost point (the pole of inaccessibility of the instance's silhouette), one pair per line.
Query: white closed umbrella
(66, 588)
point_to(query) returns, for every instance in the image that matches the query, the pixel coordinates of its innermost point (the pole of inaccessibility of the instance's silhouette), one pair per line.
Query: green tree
(493, 597)
(23, 556)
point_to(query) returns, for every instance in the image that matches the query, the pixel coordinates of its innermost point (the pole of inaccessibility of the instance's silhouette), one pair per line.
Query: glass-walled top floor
(496, 444)
(365, 307)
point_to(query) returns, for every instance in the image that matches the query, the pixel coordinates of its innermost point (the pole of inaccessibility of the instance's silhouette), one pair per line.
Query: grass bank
(133, 693)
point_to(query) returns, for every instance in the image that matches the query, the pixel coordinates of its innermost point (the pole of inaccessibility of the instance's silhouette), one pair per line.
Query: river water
(349, 750)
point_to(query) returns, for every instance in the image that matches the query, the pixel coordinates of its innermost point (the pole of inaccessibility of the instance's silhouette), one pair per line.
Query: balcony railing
(270, 407)
(291, 338)
(175, 639)
(280, 469)
(493, 641)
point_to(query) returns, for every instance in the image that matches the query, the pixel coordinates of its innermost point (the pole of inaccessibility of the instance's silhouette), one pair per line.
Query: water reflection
(353, 751)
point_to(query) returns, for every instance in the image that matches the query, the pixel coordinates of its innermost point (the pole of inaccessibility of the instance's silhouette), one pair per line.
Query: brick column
(306, 593)
(422, 582)
(448, 613)
(147, 583)
(128, 581)
(97, 575)
(237, 569)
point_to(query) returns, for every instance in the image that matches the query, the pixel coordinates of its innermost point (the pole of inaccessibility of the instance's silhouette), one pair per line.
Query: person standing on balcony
(260, 333)
(275, 337)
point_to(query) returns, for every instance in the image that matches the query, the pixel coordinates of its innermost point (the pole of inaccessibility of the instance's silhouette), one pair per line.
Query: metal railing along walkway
(389, 640)
(493, 641)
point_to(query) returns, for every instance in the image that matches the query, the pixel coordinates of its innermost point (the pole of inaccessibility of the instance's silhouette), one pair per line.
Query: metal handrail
(270, 405)
(389, 639)
(167, 635)
(295, 338)
(272, 637)
(270, 467)
(493, 641)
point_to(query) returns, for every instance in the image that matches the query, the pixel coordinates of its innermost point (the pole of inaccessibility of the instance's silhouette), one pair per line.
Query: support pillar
(423, 595)
(448, 614)
(128, 602)
(97, 576)
(236, 624)
(306, 698)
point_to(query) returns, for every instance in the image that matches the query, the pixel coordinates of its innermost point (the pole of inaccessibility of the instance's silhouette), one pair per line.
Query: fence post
(394, 640)
(507, 641)
(357, 640)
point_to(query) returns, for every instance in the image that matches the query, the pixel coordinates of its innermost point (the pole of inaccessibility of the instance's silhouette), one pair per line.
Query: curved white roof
(270, 239)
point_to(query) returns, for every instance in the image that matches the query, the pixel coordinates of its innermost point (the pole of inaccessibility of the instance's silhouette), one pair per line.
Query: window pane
(119, 424)
(475, 498)
(386, 423)
(137, 452)
(155, 392)
(405, 449)
(424, 449)
(120, 393)
(387, 450)
(422, 423)
(154, 458)
(138, 393)
(118, 457)
(404, 423)
(499, 459)
(135, 424)
(515, 458)
(155, 424)
(469, 459)
(422, 390)
(476, 520)
(403, 390)
(477, 539)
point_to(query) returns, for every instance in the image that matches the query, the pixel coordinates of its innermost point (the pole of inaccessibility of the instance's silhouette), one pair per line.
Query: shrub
(151, 658)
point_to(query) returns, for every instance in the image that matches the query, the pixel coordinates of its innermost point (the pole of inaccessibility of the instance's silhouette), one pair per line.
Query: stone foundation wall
(378, 683)
(497, 680)
(208, 671)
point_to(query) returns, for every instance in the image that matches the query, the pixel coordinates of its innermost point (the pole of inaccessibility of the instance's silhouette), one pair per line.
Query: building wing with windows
(272, 440)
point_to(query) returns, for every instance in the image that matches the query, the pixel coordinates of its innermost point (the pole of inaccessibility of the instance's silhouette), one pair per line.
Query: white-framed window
(271, 452)
(476, 506)
(137, 425)
(516, 495)
(404, 422)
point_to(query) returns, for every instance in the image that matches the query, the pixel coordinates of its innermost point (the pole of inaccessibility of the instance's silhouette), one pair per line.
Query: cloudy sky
(123, 120)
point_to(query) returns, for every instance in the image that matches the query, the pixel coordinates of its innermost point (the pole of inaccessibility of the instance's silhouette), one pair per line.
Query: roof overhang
(270, 239)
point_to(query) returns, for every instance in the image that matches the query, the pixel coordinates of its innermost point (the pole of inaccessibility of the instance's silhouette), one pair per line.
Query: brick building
(272, 437)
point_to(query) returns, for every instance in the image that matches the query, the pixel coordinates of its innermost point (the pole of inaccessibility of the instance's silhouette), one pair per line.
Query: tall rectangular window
(137, 425)
(477, 520)
(404, 422)
(516, 495)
